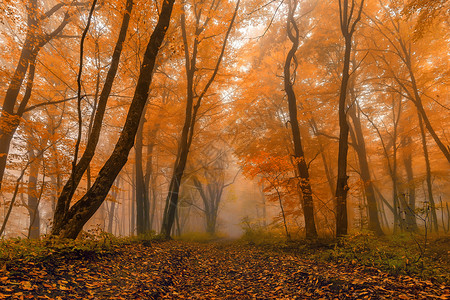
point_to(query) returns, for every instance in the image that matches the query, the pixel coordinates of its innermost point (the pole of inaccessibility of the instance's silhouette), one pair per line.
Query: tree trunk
(148, 180)
(112, 210)
(78, 170)
(83, 210)
(142, 201)
(33, 197)
(398, 221)
(211, 195)
(411, 223)
(341, 185)
(360, 147)
(133, 212)
(327, 167)
(347, 29)
(304, 183)
(434, 225)
(191, 115)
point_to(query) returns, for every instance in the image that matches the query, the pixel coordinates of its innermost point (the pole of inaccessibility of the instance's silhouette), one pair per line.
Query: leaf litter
(189, 270)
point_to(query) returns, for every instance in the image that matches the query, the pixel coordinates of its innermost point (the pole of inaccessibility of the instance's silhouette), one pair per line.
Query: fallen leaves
(184, 270)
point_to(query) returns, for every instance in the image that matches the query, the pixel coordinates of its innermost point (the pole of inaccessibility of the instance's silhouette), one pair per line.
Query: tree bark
(360, 147)
(83, 210)
(347, 29)
(78, 170)
(142, 191)
(191, 115)
(33, 198)
(304, 183)
(411, 223)
(112, 209)
(434, 225)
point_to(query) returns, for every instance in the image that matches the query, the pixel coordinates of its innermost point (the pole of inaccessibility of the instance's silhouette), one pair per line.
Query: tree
(75, 218)
(403, 59)
(299, 156)
(191, 109)
(276, 175)
(410, 212)
(360, 148)
(210, 183)
(34, 193)
(348, 27)
(36, 38)
(402, 48)
(80, 167)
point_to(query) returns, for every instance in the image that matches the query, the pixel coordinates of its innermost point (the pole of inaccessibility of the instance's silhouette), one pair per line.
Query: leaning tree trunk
(417, 100)
(305, 185)
(78, 170)
(83, 210)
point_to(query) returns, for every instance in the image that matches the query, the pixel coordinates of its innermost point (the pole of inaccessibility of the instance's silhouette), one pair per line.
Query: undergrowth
(90, 243)
(397, 254)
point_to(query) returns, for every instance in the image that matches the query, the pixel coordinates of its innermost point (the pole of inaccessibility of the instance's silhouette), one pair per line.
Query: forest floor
(192, 270)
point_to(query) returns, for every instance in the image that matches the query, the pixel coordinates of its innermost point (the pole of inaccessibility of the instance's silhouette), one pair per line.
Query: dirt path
(181, 270)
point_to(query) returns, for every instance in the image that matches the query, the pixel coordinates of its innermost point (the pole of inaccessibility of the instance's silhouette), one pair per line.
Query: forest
(279, 123)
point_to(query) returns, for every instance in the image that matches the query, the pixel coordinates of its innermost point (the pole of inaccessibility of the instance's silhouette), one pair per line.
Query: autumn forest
(141, 116)
(302, 124)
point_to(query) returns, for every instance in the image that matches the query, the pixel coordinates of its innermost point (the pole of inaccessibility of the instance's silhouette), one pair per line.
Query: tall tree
(299, 156)
(348, 26)
(431, 202)
(360, 148)
(191, 109)
(75, 218)
(393, 31)
(142, 188)
(210, 183)
(410, 218)
(36, 38)
(79, 167)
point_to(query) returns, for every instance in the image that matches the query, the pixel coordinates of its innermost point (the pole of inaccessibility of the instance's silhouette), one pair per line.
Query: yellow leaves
(26, 285)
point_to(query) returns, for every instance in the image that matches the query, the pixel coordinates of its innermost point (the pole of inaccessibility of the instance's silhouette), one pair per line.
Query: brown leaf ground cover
(188, 270)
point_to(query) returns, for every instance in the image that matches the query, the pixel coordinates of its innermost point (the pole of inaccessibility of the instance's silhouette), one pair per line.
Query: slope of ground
(188, 270)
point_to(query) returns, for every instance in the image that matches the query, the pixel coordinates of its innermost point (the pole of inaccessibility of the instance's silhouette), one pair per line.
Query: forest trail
(187, 270)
